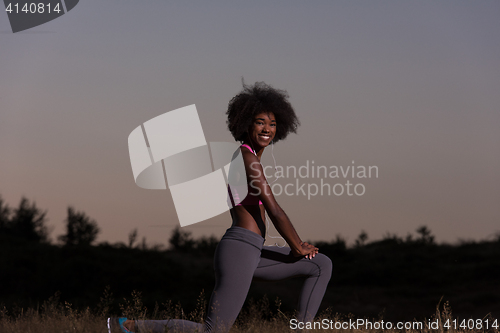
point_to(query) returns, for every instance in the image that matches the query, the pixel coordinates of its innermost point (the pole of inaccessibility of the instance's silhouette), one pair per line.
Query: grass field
(261, 316)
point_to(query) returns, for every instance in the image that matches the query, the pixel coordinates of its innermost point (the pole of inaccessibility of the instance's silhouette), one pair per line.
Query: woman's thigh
(278, 264)
(235, 262)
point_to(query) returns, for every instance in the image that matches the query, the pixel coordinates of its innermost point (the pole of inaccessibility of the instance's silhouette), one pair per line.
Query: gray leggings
(239, 258)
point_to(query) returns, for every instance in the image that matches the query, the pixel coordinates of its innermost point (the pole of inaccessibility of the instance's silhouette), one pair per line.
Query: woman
(258, 116)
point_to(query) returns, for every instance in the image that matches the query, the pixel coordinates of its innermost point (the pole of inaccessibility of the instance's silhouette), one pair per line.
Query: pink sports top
(249, 199)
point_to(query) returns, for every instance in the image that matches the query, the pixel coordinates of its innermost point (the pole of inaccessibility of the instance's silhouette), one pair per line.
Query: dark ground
(400, 279)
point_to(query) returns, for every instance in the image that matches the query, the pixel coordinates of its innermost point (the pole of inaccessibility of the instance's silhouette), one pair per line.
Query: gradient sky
(410, 87)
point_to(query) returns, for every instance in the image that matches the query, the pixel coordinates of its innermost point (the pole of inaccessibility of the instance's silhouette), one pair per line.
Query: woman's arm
(259, 186)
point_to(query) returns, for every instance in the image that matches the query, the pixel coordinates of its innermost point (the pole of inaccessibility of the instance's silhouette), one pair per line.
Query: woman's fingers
(313, 251)
(310, 255)
(310, 250)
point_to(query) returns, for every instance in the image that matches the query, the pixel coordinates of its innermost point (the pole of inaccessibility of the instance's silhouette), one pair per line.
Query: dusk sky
(412, 88)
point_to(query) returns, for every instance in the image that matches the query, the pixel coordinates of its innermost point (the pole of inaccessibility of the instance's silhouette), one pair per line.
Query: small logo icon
(171, 150)
(28, 14)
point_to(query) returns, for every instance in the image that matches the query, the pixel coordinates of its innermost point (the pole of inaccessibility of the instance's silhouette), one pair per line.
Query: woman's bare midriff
(250, 217)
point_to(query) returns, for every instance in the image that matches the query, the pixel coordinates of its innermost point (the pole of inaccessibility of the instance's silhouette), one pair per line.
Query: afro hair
(260, 98)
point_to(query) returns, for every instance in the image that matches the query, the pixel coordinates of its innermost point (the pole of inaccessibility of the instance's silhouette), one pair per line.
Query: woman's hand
(306, 250)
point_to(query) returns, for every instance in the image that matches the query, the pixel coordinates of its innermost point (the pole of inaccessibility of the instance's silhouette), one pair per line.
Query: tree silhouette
(28, 222)
(4, 216)
(132, 237)
(425, 235)
(80, 229)
(362, 238)
(181, 240)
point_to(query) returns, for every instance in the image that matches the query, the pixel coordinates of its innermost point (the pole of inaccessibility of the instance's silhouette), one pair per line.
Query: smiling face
(263, 129)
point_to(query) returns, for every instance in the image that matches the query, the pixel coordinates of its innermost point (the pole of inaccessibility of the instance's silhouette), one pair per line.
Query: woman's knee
(325, 265)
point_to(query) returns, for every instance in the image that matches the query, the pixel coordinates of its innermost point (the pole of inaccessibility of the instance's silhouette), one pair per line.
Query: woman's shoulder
(245, 148)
